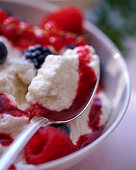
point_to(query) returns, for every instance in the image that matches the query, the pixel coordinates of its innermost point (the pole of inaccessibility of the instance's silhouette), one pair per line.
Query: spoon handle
(21, 140)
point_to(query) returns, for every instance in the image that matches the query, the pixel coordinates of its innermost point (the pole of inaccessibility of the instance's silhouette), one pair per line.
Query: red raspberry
(68, 18)
(3, 15)
(48, 144)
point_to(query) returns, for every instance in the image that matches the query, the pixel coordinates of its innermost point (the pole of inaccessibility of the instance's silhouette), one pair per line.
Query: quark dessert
(63, 82)
(45, 70)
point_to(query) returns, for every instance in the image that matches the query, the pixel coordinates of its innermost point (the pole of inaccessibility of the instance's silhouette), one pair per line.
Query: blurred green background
(117, 19)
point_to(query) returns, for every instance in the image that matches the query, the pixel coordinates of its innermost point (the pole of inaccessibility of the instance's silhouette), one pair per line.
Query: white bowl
(116, 78)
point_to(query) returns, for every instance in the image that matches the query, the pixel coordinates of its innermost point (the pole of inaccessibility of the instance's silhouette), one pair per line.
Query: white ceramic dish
(116, 76)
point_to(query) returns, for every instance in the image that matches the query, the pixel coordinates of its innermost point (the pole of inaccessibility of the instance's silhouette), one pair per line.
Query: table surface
(118, 151)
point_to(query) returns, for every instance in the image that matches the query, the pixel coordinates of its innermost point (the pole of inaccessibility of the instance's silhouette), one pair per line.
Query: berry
(24, 35)
(12, 167)
(37, 54)
(62, 127)
(11, 28)
(48, 144)
(3, 52)
(11, 32)
(3, 15)
(68, 18)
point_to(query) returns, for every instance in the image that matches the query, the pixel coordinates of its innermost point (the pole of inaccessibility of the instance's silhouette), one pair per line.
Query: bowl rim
(117, 54)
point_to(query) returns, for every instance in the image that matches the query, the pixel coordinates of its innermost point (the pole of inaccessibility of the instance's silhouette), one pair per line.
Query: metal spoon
(21, 140)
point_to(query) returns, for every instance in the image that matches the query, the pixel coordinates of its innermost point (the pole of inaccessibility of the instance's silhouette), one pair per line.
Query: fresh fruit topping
(11, 32)
(24, 35)
(3, 15)
(68, 18)
(5, 139)
(37, 54)
(3, 52)
(11, 29)
(95, 113)
(48, 144)
(12, 167)
(62, 127)
(7, 107)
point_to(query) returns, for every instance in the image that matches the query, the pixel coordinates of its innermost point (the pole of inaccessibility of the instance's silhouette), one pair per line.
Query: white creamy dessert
(54, 86)
(36, 82)
(12, 125)
(56, 82)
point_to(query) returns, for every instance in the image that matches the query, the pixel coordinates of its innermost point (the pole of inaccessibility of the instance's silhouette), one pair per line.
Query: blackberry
(37, 54)
(62, 127)
(3, 52)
